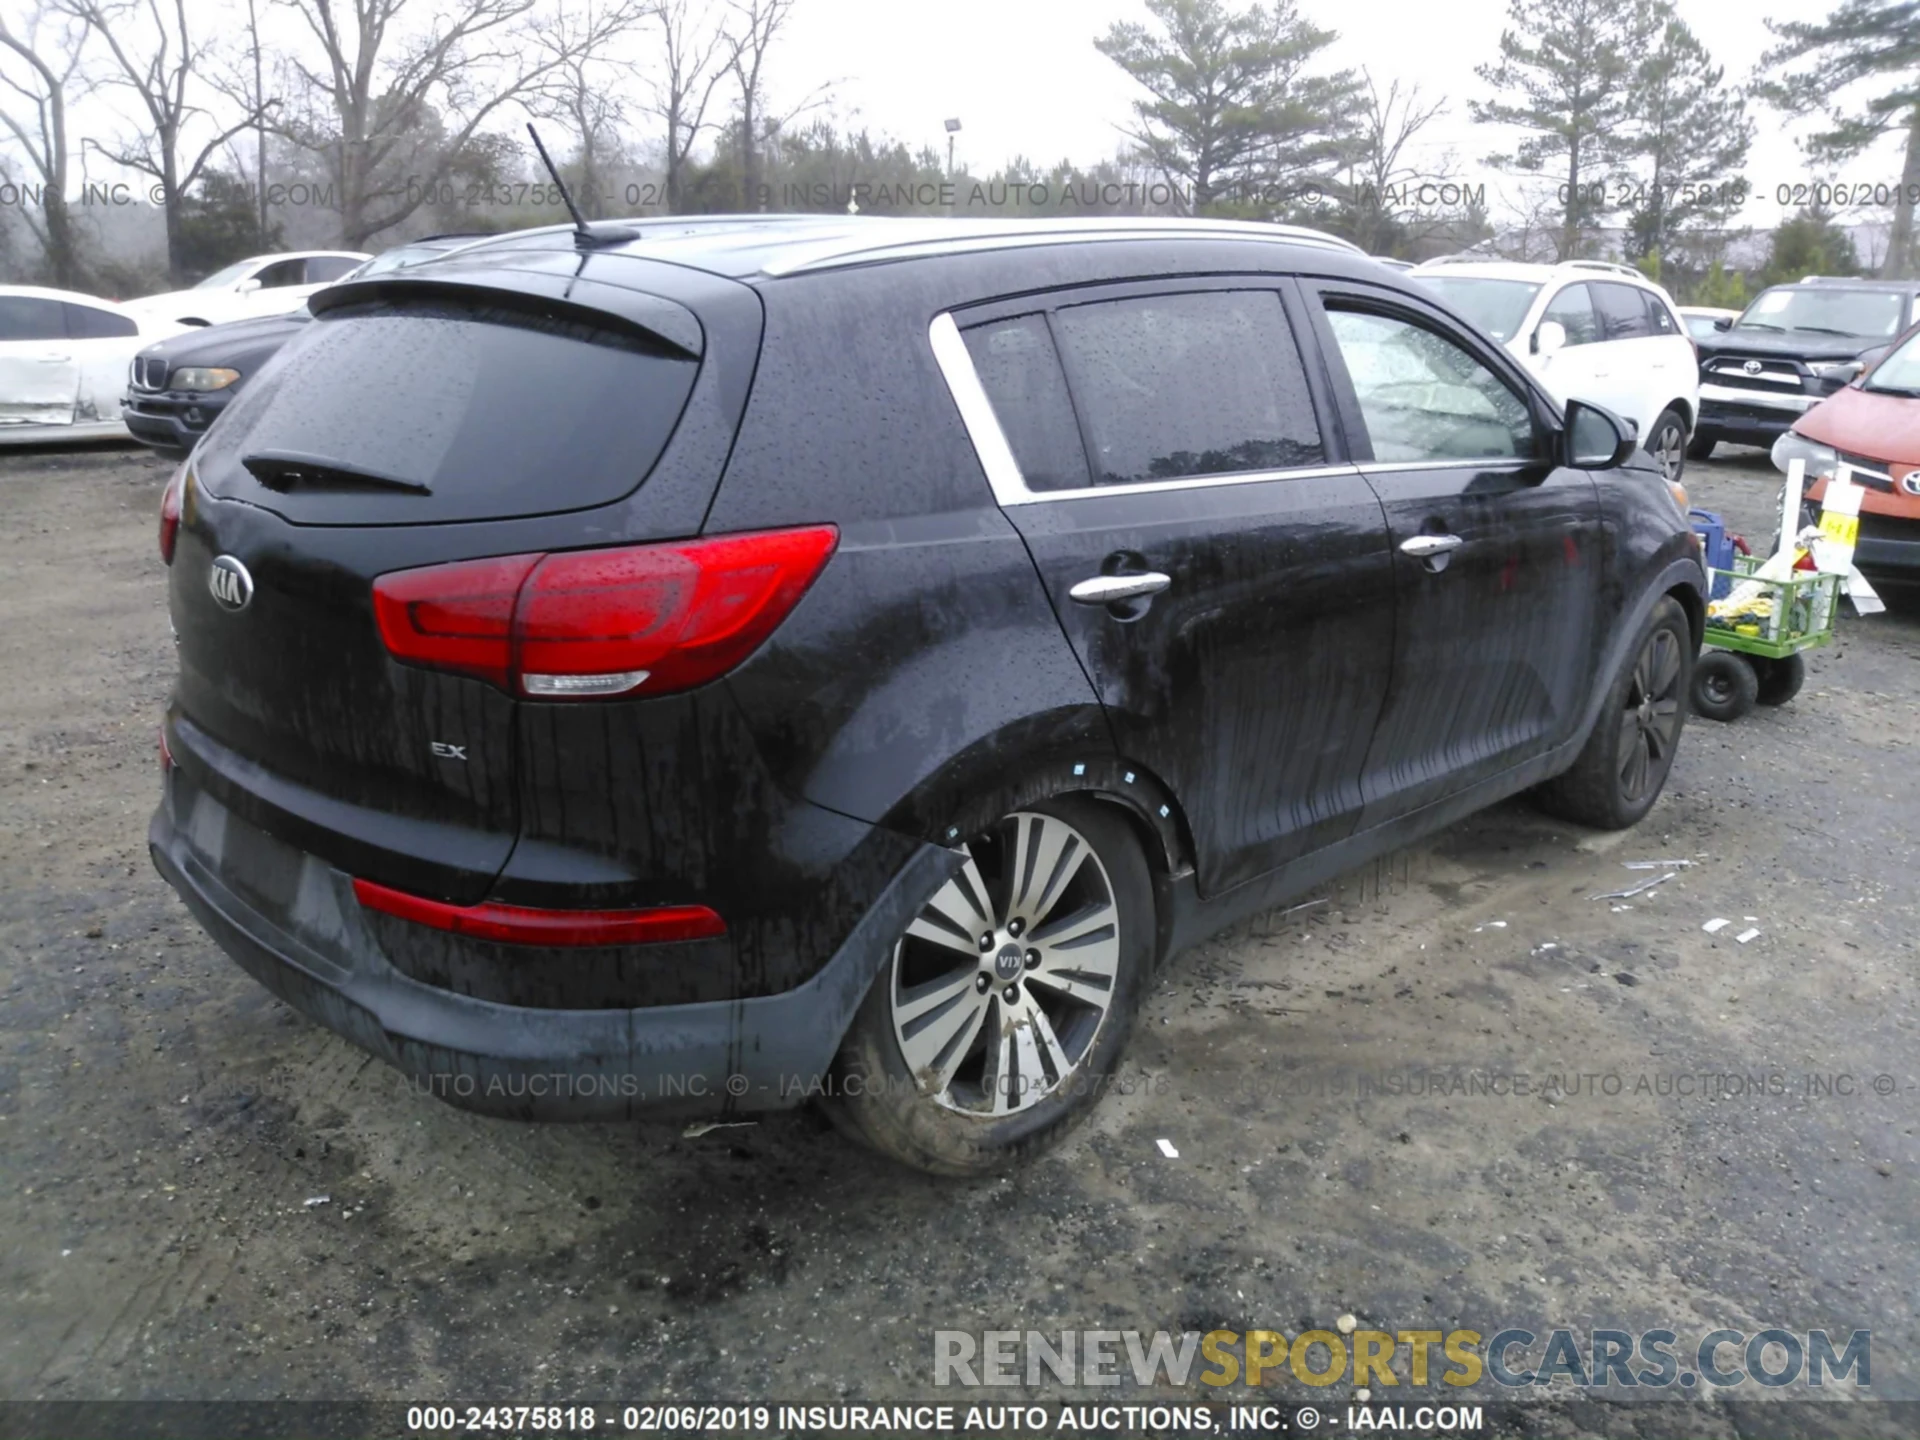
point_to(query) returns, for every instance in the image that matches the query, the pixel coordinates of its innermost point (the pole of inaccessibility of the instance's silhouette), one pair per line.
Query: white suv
(1591, 330)
(259, 285)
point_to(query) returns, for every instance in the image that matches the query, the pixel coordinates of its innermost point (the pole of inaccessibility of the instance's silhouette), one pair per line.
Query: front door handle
(1110, 589)
(1426, 546)
(55, 359)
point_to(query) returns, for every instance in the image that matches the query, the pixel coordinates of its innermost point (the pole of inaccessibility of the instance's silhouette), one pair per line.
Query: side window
(285, 272)
(1658, 316)
(323, 269)
(27, 317)
(1202, 383)
(1573, 308)
(1020, 372)
(1425, 398)
(89, 322)
(1623, 314)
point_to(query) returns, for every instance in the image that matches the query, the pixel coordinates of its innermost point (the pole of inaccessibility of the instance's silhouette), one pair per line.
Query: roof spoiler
(549, 293)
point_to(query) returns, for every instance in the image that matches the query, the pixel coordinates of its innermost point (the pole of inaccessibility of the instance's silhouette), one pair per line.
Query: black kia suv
(775, 657)
(1790, 349)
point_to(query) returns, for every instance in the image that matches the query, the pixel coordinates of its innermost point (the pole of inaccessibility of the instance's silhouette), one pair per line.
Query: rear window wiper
(285, 469)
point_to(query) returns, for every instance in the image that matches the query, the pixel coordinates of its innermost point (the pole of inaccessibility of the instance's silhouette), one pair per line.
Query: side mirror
(1596, 438)
(1722, 323)
(1549, 337)
(247, 287)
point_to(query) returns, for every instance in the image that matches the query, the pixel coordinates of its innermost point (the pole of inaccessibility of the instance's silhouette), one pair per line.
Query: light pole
(953, 129)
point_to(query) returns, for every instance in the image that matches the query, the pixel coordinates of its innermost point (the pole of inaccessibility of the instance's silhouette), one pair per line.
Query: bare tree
(1380, 180)
(399, 82)
(257, 102)
(52, 61)
(584, 93)
(749, 38)
(693, 64)
(156, 57)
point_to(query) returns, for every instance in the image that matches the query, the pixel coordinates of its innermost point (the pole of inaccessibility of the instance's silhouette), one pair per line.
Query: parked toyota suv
(1790, 349)
(1590, 330)
(779, 656)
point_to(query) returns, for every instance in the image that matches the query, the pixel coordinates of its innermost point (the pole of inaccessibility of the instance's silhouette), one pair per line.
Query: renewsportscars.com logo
(1514, 1358)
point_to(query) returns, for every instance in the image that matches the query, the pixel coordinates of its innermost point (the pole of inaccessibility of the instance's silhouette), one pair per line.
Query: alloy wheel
(1650, 724)
(1670, 449)
(1001, 984)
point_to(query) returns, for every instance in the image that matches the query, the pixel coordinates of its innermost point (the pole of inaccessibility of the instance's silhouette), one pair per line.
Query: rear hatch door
(414, 424)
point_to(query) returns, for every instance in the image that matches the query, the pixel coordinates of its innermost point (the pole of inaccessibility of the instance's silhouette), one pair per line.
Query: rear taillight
(171, 500)
(454, 617)
(640, 619)
(519, 925)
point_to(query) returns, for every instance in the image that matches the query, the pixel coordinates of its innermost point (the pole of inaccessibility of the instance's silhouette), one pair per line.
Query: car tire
(970, 1017)
(1668, 444)
(1700, 447)
(1625, 761)
(1725, 686)
(1780, 680)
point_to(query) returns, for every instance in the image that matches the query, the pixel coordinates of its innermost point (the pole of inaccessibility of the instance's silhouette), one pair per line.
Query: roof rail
(1464, 258)
(1613, 267)
(1872, 280)
(871, 241)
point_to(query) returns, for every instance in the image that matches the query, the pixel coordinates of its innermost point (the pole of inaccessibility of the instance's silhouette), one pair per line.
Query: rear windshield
(437, 412)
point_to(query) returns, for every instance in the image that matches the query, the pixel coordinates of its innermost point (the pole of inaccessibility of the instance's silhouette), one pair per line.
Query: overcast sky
(1023, 77)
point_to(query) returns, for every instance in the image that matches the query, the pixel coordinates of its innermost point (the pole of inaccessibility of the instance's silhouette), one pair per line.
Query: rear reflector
(582, 624)
(518, 925)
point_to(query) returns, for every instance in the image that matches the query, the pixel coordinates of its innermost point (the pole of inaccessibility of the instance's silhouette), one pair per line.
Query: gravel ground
(166, 1127)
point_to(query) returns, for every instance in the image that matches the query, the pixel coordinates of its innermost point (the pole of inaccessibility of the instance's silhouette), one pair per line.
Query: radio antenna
(582, 236)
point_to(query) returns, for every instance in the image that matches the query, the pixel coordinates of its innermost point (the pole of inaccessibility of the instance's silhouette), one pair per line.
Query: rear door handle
(1429, 545)
(1107, 589)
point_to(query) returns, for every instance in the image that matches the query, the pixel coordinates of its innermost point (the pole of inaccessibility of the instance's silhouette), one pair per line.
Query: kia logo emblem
(1752, 367)
(229, 583)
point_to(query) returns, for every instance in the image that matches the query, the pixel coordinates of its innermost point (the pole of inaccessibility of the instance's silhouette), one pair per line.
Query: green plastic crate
(1802, 612)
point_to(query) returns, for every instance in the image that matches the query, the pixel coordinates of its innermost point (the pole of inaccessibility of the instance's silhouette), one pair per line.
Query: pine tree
(1691, 136)
(1809, 244)
(1566, 71)
(1866, 51)
(1236, 105)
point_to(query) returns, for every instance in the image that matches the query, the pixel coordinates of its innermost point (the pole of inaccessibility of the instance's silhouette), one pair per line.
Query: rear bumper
(717, 1057)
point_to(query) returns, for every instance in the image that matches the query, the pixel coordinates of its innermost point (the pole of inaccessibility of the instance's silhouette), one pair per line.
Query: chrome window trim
(964, 236)
(1003, 471)
(1483, 462)
(976, 412)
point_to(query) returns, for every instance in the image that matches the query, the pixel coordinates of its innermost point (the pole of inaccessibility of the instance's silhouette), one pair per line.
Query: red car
(1873, 423)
